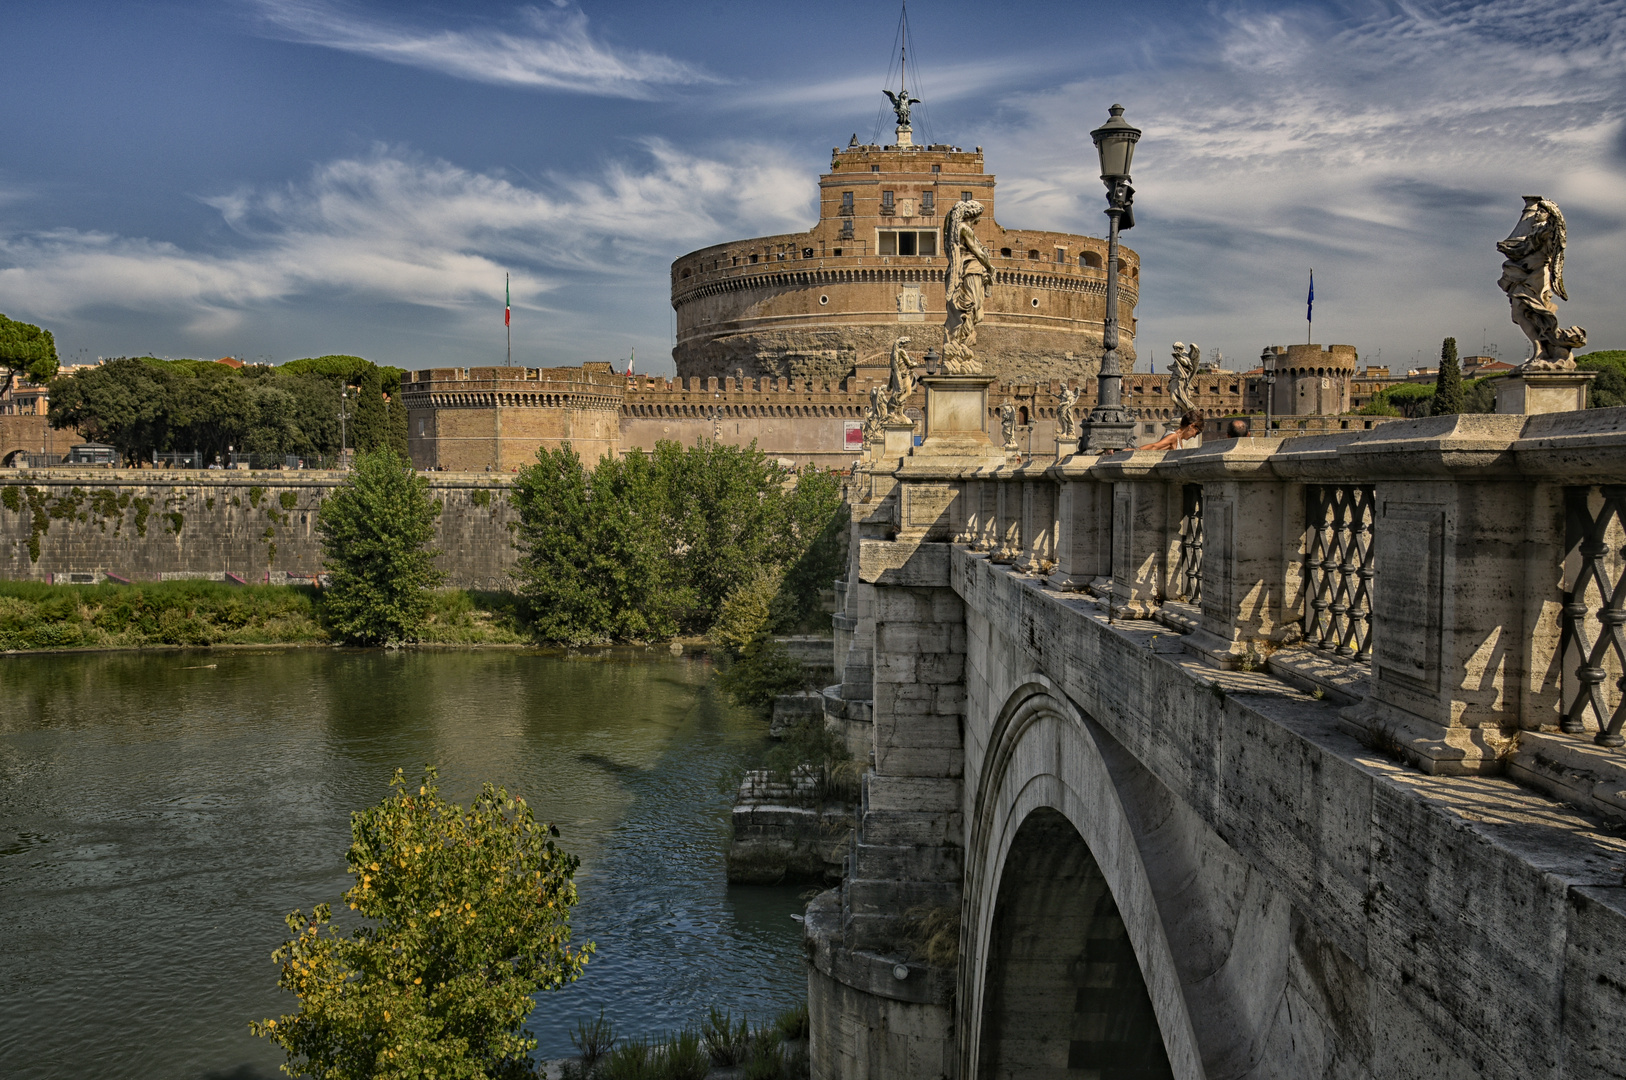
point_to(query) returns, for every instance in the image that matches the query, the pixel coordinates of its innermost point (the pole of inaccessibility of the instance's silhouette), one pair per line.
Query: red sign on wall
(852, 434)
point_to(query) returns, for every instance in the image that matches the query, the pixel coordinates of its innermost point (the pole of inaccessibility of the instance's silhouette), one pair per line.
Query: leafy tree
(375, 532)
(1609, 388)
(467, 916)
(812, 548)
(124, 403)
(27, 349)
(726, 509)
(209, 407)
(1480, 396)
(1448, 383)
(596, 561)
(1403, 399)
(369, 420)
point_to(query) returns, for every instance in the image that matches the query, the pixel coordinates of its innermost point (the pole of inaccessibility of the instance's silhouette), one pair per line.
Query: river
(161, 812)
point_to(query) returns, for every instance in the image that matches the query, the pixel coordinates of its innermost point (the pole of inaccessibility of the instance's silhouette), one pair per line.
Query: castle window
(886, 202)
(1061, 255)
(1090, 259)
(906, 242)
(807, 253)
(1004, 253)
(685, 272)
(825, 299)
(928, 202)
(937, 168)
(846, 202)
(838, 252)
(1033, 253)
(1023, 413)
(753, 258)
(874, 168)
(965, 196)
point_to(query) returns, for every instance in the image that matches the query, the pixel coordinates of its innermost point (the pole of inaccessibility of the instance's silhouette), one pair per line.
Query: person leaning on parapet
(1191, 426)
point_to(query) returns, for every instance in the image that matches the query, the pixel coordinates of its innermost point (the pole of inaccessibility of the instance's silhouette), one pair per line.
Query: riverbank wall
(92, 525)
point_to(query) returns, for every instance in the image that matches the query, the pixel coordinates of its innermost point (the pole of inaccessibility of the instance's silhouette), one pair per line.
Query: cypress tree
(1448, 384)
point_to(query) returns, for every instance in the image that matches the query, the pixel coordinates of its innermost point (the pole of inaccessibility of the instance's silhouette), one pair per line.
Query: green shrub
(288, 499)
(375, 532)
(683, 1058)
(761, 672)
(465, 916)
(793, 1023)
(643, 546)
(726, 1043)
(767, 1056)
(593, 1039)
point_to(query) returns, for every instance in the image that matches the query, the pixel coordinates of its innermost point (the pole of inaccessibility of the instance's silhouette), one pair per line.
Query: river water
(159, 817)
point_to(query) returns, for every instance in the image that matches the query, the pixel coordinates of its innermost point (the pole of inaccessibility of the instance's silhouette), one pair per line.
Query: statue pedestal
(1532, 392)
(1066, 446)
(956, 417)
(897, 439)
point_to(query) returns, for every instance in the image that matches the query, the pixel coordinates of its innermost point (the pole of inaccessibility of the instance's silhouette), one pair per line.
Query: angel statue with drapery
(969, 268)
(1532, 275)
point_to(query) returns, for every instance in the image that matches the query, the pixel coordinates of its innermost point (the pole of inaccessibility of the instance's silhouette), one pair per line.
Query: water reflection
(156, 822)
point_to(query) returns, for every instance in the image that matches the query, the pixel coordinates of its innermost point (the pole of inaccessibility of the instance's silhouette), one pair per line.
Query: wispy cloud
(392, 228)
(1388, 148)
(545, 50)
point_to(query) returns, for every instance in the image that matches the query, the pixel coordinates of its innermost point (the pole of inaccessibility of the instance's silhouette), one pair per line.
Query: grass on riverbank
(719, 1047)
(35, 616)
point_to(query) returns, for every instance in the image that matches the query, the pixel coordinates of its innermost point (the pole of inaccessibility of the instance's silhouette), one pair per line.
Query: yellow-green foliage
(38, 616)
(34, 615)
(467, 915)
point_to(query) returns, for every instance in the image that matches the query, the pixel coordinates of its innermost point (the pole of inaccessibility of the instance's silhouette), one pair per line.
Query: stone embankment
(90, 525)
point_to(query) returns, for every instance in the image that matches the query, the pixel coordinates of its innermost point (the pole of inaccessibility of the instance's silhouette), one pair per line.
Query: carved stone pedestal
(956, 415)
(1532, 392)
(899, 439)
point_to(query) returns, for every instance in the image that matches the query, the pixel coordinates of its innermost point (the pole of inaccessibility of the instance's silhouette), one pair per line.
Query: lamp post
(1110, 426)
(1267, 359)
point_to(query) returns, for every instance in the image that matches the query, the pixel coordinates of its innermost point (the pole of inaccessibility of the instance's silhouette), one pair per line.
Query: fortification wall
(497, 418)
(143, 525)
(797, 420)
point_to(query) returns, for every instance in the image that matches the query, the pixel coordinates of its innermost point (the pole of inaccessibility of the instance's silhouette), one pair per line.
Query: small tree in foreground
(469, 915)
(375, 534)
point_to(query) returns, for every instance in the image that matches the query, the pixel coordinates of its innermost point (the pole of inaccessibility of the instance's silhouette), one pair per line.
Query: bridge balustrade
(1459, 582)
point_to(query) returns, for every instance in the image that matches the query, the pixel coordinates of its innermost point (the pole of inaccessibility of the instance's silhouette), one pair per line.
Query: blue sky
(283, 178)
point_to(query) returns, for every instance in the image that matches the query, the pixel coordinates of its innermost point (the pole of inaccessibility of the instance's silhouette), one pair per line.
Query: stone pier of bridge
(1280, 758)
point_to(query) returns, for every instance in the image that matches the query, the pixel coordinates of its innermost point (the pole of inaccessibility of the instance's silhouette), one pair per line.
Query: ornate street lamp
(1110, 426)
(1267, 360)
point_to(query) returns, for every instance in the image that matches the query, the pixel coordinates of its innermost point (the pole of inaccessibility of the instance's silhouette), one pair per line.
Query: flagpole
(1309, 311)
(507, 318)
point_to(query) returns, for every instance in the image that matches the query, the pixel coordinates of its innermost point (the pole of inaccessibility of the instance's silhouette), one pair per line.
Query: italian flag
(507, 303)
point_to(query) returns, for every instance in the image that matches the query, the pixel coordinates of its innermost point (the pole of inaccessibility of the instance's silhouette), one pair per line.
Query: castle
(781, 338)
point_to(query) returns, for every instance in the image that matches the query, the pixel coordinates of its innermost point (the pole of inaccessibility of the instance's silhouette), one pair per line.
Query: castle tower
(820, 303)
(1312, 380)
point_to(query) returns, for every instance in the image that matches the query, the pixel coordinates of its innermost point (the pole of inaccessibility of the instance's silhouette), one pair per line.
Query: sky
(273, 179)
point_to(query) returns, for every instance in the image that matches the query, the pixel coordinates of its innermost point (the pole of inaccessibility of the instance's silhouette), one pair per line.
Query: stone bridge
(1293, 758)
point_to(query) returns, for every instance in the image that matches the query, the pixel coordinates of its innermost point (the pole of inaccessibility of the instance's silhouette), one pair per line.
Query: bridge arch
(8, 455)
(1051, 845)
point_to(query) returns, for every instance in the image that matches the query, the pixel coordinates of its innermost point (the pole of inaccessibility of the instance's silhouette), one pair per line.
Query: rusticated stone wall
(143, 525)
